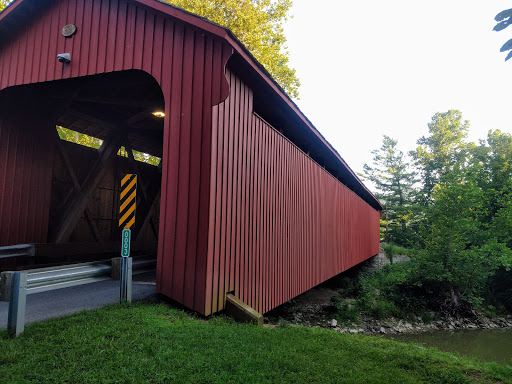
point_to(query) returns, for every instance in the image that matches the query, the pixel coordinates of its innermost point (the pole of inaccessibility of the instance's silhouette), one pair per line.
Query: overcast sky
(374, 67)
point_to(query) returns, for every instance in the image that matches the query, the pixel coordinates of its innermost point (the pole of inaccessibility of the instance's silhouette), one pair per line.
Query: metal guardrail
(20, 250)
(47, 279)
(15, 286)
(50, 278)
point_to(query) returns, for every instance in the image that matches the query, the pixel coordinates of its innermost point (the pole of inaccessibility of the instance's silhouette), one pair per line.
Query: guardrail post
(116, 268)
(17, 303)
(126, 279)
(5, 285)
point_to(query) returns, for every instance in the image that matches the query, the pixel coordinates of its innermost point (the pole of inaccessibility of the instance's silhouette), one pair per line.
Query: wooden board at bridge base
(241, 312)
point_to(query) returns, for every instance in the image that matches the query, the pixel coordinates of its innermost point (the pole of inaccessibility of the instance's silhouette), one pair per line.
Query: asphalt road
(64, 301)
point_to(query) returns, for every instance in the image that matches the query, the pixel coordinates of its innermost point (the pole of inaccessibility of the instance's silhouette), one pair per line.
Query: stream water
(485, 344)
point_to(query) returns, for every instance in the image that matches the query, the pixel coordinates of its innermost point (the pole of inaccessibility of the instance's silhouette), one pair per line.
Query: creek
(485, 344)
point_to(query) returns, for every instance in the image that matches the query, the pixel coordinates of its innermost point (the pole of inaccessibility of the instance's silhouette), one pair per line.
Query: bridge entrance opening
(66, 145)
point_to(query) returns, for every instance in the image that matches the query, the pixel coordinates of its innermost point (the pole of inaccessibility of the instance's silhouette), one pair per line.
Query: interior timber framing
(116, 108)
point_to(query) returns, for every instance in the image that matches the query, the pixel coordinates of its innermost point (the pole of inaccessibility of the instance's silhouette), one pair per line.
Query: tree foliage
(3, 4)
(468, 187)
(445, 149)
(492, 165)
(258, 24)
(504, 19)
(464, 232)
(460, 252)
(93, 142)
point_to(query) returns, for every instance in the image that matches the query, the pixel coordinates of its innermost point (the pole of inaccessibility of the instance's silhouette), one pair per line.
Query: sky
(373, 68)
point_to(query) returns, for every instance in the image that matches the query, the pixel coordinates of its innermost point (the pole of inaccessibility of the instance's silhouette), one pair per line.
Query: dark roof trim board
(225, 33)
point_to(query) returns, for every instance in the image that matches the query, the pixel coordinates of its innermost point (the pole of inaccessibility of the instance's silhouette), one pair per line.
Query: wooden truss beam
(148, 208)
(77, 187)
(133, 131)
(128, 102)
(76, 207)
(148, 219)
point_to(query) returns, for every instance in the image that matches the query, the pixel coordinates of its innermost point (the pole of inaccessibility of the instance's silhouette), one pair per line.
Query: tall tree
(460, 253)
(258, 24)
(492, 164)
(395, 186)
(467, 237)
(444, 150)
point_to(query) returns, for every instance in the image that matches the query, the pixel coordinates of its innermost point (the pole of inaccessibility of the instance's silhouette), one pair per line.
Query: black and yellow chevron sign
(128, 200)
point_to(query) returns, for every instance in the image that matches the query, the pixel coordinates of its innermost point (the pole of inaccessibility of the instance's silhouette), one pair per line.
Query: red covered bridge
(248, 198)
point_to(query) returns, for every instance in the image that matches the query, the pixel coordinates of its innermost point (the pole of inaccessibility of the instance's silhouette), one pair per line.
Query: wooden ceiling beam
(92, 119)
(133, 131)
(127, 102)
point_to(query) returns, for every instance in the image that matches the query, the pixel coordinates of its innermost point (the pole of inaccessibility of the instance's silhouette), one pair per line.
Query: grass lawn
(153, 343)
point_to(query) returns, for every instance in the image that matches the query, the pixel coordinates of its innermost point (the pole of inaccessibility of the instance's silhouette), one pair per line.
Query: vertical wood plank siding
(117, 35)
(25, 184)
(279, 223)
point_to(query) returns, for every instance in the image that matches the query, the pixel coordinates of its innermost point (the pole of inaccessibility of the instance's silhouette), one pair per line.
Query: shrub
(392, 250)
(391, 291)
(346, 311)
(499, 289)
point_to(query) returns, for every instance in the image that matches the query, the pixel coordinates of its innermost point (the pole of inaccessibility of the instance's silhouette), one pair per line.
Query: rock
(352, 331)
(382, 330)
(334, 323)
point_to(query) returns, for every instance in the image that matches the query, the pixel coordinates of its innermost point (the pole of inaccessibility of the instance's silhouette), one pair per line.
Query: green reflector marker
(125, 247)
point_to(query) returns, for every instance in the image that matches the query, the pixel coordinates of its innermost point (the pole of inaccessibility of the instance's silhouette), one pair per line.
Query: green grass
(152, 343)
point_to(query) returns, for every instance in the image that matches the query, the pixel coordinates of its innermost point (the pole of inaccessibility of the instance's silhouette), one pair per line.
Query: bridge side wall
(279, 223)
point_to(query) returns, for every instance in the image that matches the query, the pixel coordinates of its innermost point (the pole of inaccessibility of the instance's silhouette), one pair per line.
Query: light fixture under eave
(159, 114)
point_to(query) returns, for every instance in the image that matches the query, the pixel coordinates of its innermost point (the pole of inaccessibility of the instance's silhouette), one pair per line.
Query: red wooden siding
(116, 35)
(279, 223)
(25, 184)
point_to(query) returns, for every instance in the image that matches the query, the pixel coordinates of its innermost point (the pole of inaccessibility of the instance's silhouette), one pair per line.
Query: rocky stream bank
(314, 308)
